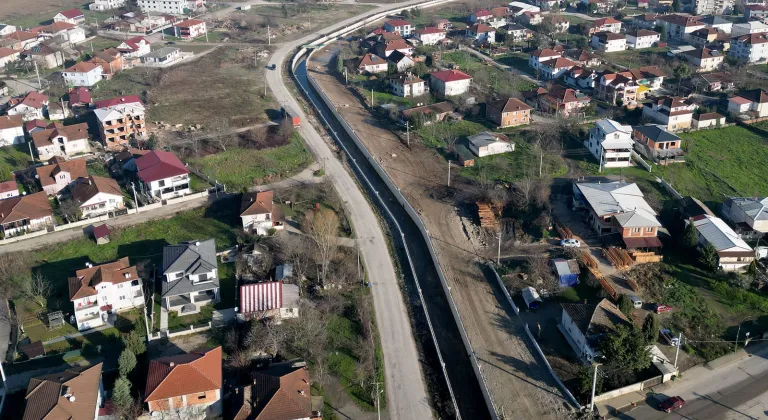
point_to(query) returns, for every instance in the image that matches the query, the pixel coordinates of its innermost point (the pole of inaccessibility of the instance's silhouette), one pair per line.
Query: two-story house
(404, 28)
(83, 74)
(258, 214)
(450, 82)
(658, 144)
(610, 143)
(704, 59)
(110, 61)
(748, 28)
(190, 276)
(755, 12)
(408, 85)
(609, 42)
(608, 24)
(680, 27)
(751, 48)
(190, 29)
(430, 35)
(72, 394)
(120, 120)
(508, 112)
(59, 173)
(284, 384)
(61, 140)
(585, 325)
(186, 386)
(20, 40)
(556, 67)
(674, 113)
(748, 214)
(134, 47)
(11, 130)
(642, 38)
(162, 175)
(9, 189)
(387, 47)
(619, 207)
(482, 33)
(102, 5)
(73, 16)
(733, 253)
(580, 78)
(372, 63)
(25, 213)
(31, 106)
(538, 56)
(97, 195)
(99, 290)
(61, 34)
(563, 101)
(584, 57)
(754, 101)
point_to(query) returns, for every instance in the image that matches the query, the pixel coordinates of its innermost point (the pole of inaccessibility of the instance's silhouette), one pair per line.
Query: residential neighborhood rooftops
(717, 77)
(545, 52)
(72, 13)
(72, 395)
(84, 282)
(371, 60)
(45, 137)
(8, 186)
(610, 126)
(162, 52)
(184, 374)
(755, 95)
(84, 189)
(281, 392)
(481, 28)
(31, 206)
(397, 22)
(430, 30)
(32, 99)
(120, 100)
(703, 53)
(753, 39)
(642, 32)
(11, 121)
(720, 235)
(707, 116)
(685, 21)
(450, 75)
(558, 62)
(437, 108)
(715, 20)
(76, 168)
(646, 72)
(609, 36)
(189, 23)
(159, 164)
(509, 105)
(754, 207)
(604, 21)
(190, 257)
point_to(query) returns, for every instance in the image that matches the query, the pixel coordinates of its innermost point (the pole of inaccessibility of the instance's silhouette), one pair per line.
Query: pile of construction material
(618, 257)
(645, 257)
(487, 217)
(563, 231)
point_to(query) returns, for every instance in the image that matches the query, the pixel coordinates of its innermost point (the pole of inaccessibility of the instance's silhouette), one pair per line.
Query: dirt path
(516, 380)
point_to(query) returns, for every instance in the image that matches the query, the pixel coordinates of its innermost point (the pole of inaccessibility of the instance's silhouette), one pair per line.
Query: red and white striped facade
(260, 297)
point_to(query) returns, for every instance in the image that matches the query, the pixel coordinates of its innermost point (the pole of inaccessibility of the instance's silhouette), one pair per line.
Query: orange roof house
(188, 383)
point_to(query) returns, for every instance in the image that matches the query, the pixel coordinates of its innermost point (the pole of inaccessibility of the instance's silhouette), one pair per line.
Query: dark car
(273, 66)
(671, 404)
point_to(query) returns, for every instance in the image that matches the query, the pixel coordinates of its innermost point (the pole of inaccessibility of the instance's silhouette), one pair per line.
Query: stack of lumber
(588, 261)
(645, 257)
(487, 218)
(563, 231)
(618, 257)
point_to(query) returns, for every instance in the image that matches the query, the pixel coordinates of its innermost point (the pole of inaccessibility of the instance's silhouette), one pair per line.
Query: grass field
(491, 78)
(240, 169)
(13, 158)
(636, 58)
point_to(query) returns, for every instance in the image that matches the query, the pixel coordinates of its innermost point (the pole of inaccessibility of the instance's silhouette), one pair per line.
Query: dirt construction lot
(517, 380)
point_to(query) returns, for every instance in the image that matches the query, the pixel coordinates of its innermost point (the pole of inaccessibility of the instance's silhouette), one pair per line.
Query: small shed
(55, 320)
(567, 271)
(101, 234)
(531, 298)
(466, 158)
(33, 350)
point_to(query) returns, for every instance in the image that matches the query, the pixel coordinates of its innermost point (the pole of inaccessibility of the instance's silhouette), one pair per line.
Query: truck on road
(292, 115)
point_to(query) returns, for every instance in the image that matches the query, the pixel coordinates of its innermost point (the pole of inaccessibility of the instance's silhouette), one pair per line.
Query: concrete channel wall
(409, 209)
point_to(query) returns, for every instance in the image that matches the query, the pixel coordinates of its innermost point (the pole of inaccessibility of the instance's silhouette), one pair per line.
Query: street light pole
(408, 132)
(594, 385)
(736, 345)
(449, 173)
(679, 343)
(133, 187)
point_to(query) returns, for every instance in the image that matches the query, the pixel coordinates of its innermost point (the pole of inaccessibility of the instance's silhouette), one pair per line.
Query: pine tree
(690, 238)
(625, 305)
(126, 363)
(651, 328)
(135, 343)
(708, 258)
(121, 394)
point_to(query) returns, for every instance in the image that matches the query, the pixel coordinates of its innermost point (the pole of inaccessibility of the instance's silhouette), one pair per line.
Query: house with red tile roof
(403, 27)
(672, 112)
(83, 73)
(754, 101)
(563, 101)
(387, 47)
(97, 196)
(556, 67)
(372, 63)
(80, 96)
(450, 82)
(73, 16)
(8, 55)
(74, 394)
(280, 392)
(257, 212)
(31, 106)
(20, 40)
(8, 189)
(162, 175)
(97, 290)
(509, 112)
(59, 173)
(430, 35)
(608, 24)
(61, 140)
(25, 213)
(11, 130)
(537, 56)
(190, 29)
(110, 60)
(185, 386)
(481, 33)
(134, 47)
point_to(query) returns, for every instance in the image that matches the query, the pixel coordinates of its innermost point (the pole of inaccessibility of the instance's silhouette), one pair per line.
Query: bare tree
(539, 269)
(450, 141)
(322, 226)
(296, 250)
(275, 337)
(39, 288)
(525, 189)
(546, 139)
(366, 348)
(221, 132)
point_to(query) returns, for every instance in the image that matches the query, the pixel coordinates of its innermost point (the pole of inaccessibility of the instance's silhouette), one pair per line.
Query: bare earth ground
(14, 8)
(517, 381)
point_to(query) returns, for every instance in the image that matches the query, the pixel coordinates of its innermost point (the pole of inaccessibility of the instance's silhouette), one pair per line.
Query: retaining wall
(667, 186)
(636, 387)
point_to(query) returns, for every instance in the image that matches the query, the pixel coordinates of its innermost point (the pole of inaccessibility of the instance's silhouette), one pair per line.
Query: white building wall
(104, 202)
(83, 79)
(175, 7)
(9, 136)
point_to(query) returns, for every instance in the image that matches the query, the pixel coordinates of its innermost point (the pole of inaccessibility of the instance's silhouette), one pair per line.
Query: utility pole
(206, 35)
(736, 345)
(408, 133)
(371, 97)
(30, 152)
(498, 253)
(378, 406)
(358, 261)
(594, 385)
(133, 187)
(449, 173)
(346, 77)
(677, 350)
(269, 36)
(39, 83)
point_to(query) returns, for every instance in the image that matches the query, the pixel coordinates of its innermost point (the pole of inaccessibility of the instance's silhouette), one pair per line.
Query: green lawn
(433, 135)
(13, 158)
(635, 58)
(240, 169)
(97, 168)
(518, 61)
(488, 76)
(176, 322)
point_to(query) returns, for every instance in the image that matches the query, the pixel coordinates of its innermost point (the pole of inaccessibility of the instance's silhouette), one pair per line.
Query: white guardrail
(409, 209)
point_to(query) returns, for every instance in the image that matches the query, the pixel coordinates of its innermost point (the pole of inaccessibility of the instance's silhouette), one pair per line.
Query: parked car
(671, 404)
(570, 243)
(670, 337)
(662, 308)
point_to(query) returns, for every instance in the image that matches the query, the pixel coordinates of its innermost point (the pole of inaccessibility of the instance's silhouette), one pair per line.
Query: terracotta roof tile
(32, 206)
(84, 281)
(46, 395)
(183, 374)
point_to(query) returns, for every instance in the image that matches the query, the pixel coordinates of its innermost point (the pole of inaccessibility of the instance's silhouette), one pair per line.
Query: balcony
(90, 317)
(88, 305)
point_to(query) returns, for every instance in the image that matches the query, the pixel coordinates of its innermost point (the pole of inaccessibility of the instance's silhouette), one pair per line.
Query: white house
(716, 22)
(496, 17)
(190, 29)
(748, 28)
(134, 47)
(6, 29)
(608, 24)
(64, 141)
(430, 35)
(733, 253)
(83, 73)
(173, 7)
(539, 56)
(11, 130)
(401, 61)
(7, 56)
(450, 82)
(751, 48)
(482, 33)
(372, 63)
(755, 100)
(642, 38)
(102, 5)
(404, 28)
(487, 144)
(680, 27)
(8, 189)
(408, 85)
(270, 299)
(190, 276)
(31, 107)
(672, 112)
(99, 290)
(25, 213)
(611, 144)
(556, 67)
(62, 33)
(609, 42)
(749, 211)
(704, 59)
(73, 16)
(60, 173)
(257, 212)
(162, 57)
(584, 325)
(97, 195)
(162, 175)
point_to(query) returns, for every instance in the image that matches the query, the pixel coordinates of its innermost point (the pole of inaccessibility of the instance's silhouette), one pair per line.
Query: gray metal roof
(754, 207)
(184, 286)
(485, 138)
(716, 232)
(162, 52)
(656, 133)
(618, 197)
(192, 257)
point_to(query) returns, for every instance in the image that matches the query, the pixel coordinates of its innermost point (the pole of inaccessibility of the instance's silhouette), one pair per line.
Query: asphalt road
(735, 391)
(405, 387)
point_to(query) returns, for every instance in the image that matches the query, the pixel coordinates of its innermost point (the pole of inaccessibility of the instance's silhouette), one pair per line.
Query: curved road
(406, 390)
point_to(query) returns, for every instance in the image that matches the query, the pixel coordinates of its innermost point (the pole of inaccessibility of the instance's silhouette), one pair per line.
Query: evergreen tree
(625, 305)
(625, 348)
(690, 238)
(651, 328)
(126, 363)
(708, 257)
(121, 394)
(135, 343)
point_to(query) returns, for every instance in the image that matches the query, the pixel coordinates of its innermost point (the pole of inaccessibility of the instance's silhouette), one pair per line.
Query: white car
(570, 243)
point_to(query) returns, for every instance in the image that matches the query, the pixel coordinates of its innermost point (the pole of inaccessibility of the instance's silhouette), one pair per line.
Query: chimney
(172, 364)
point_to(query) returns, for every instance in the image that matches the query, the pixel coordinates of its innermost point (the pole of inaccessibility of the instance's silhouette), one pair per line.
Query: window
(161, 183)
(649, 229)
(201, 396)
(178, 275)
(120, 286)
(635, 230)
(202, 277)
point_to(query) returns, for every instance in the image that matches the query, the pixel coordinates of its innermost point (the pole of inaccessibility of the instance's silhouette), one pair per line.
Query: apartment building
(120, 120)
(99, 290)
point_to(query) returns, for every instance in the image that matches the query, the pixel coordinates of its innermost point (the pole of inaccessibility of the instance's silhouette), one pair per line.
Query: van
(636, 302)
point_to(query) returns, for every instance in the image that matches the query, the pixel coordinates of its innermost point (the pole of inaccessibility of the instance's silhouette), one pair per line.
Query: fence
(560, 383)
(191, 330)
(667, 186)
(636, 387)
(640, 160)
